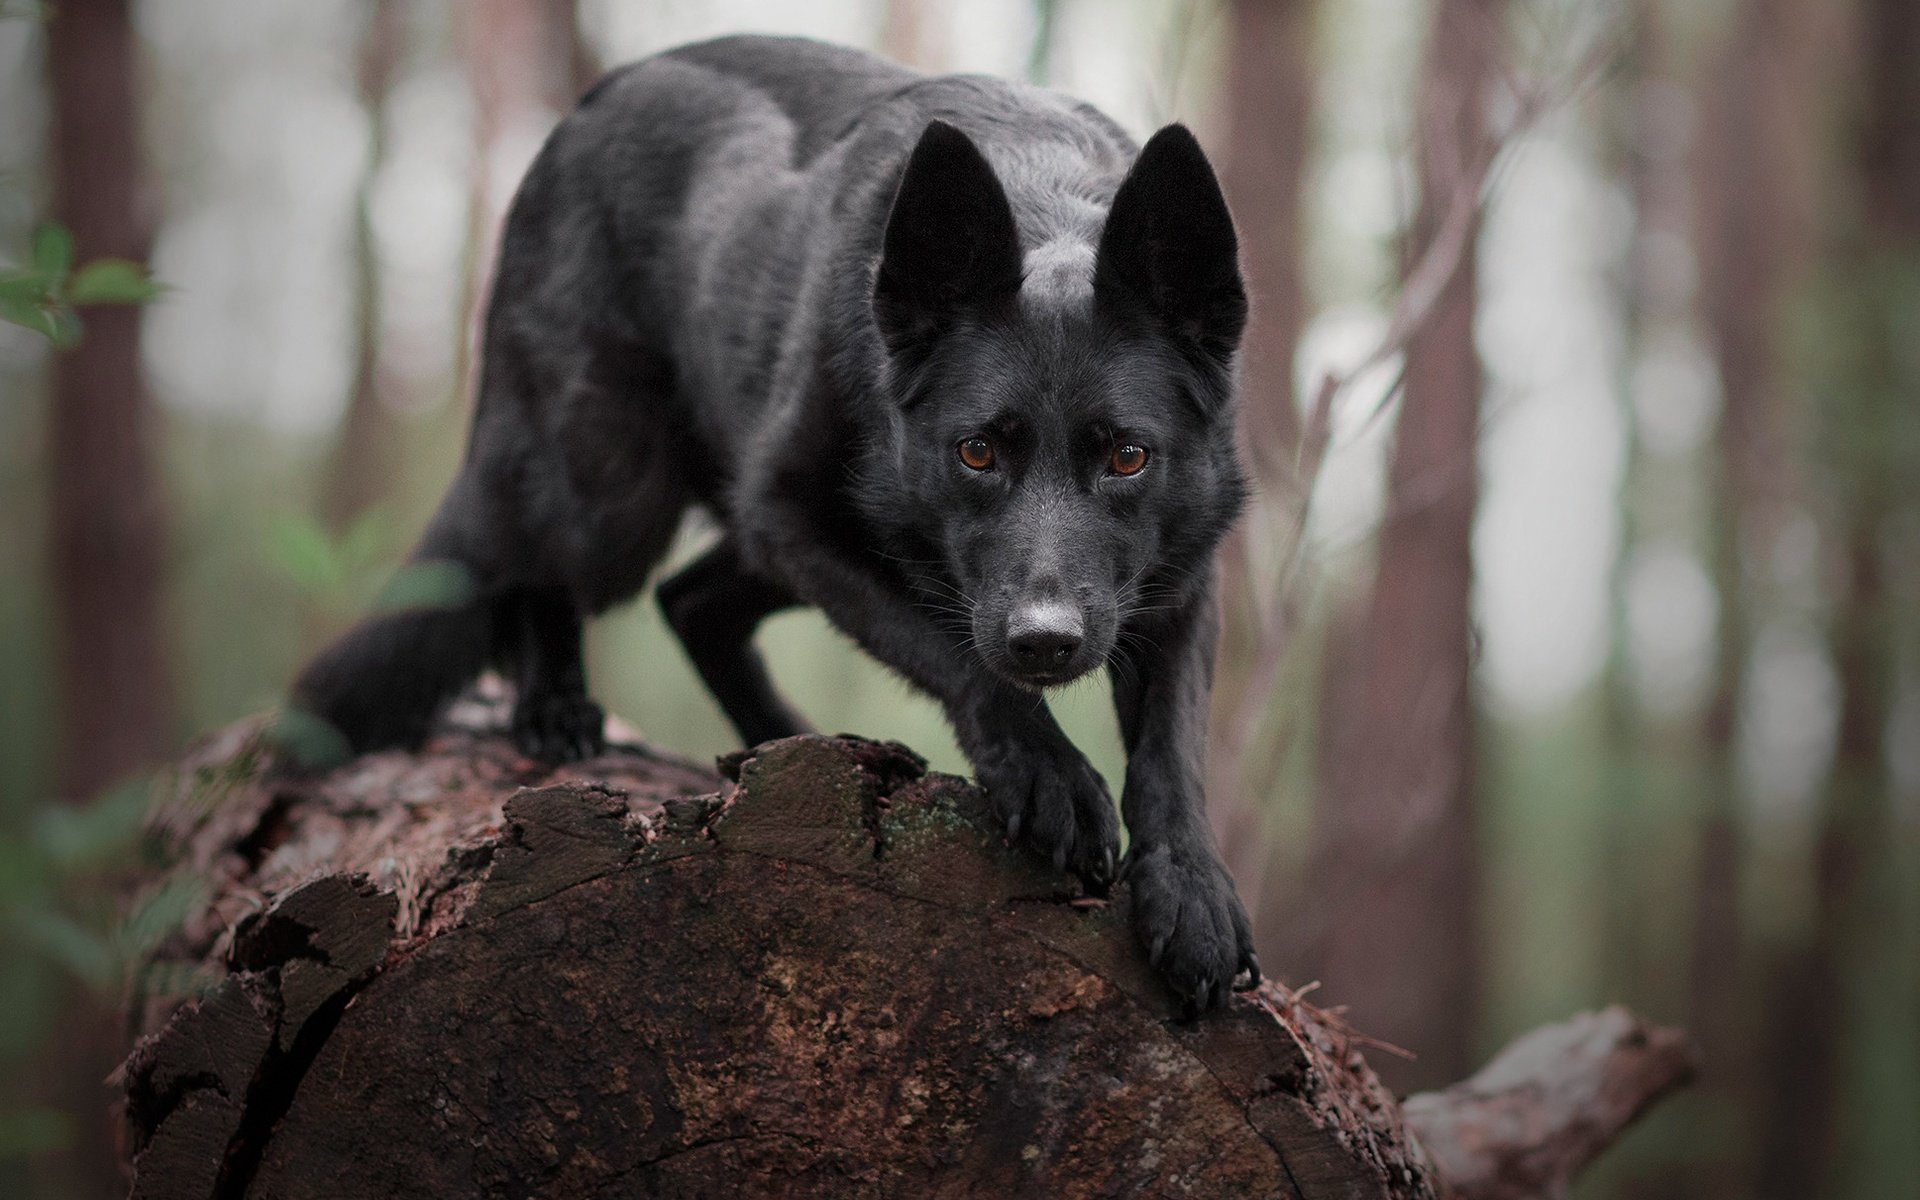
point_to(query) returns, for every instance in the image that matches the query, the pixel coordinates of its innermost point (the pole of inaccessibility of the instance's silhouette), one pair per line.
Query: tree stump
(819, 971)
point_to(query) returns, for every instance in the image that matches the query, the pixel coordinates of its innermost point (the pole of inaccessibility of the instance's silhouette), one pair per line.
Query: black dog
(945, 356)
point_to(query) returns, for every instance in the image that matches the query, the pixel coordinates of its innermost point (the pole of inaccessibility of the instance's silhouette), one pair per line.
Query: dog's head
(1060, 454)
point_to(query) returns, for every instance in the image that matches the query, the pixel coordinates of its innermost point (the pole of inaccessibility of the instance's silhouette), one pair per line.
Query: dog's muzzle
(1044, 640)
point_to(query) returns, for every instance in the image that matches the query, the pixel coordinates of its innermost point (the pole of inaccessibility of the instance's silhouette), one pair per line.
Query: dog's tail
(383, 682)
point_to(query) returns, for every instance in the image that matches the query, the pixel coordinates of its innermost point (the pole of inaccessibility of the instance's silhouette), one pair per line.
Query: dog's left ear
(1169, 243)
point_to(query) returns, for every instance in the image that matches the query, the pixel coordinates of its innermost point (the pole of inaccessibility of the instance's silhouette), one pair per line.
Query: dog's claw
(1099, 879)
(1051, 801)
(1250, 963)
(1192, 925)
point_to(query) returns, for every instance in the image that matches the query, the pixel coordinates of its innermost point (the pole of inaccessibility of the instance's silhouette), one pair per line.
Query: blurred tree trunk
(1643, 160)
(363, 456)
(1753, 235)
(115, 702)
(1396, 874)
(526, 65)
(1810, 1087)
(1268, 99)
(909, 35)
(1269, 102)
(1755, 232)
(1868, 433)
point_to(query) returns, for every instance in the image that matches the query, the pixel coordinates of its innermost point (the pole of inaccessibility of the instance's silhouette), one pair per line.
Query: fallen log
(819, 971)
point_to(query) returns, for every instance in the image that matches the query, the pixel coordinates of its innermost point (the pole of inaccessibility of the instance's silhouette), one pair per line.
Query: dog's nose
(1044, 637)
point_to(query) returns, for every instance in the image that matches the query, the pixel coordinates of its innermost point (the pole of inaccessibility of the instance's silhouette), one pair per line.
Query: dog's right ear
(950, 243)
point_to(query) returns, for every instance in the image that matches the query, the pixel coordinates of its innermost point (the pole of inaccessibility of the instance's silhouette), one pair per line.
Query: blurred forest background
(1573, 645)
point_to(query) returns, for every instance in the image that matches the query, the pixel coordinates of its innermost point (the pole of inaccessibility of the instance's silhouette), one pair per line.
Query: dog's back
(721, 179)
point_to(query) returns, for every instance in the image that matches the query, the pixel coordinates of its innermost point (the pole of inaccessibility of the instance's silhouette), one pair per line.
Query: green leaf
(26, 286)
(112, 281)
(425, 585)
(25, 875)
(29, 314)
(53, 252)
(363, 545)
(65, 324)
(307, 555)
(157, 918)
(308, 741)
(67, 943)
(74, 837)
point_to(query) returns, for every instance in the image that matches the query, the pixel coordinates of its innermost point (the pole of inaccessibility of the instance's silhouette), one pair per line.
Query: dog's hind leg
(553, 719)
(713, 606)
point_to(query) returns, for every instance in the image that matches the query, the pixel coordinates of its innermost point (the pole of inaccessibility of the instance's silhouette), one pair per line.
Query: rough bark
(822, 973)
(115, 704)
(1395, 874)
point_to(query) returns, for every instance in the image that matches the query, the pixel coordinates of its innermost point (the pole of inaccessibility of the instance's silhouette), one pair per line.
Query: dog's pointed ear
(950, 239)
(1169, 243)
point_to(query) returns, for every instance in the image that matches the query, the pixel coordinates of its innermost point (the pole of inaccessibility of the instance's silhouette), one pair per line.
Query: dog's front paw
(558, 728)
(1057, 803)
(1191, 922)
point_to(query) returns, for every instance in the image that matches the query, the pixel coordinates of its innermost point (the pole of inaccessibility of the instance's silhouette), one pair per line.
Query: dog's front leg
(1186, 912)
(1042, 788)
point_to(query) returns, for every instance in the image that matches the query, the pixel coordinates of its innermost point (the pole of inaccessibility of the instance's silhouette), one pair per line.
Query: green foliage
(344, 576)
(44, 295)
(320, 565)
(345, 573)
(425, 585)
(57, 901)
(307, 740)
(68, 852)
(63, 879)
(78, 838)
(111, 281)
(60, 916)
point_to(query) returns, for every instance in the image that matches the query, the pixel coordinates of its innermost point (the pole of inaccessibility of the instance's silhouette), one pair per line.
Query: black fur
(786, 282)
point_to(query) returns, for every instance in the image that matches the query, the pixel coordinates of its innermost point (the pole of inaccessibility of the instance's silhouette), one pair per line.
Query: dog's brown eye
(976, 452)
(1127, 459)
